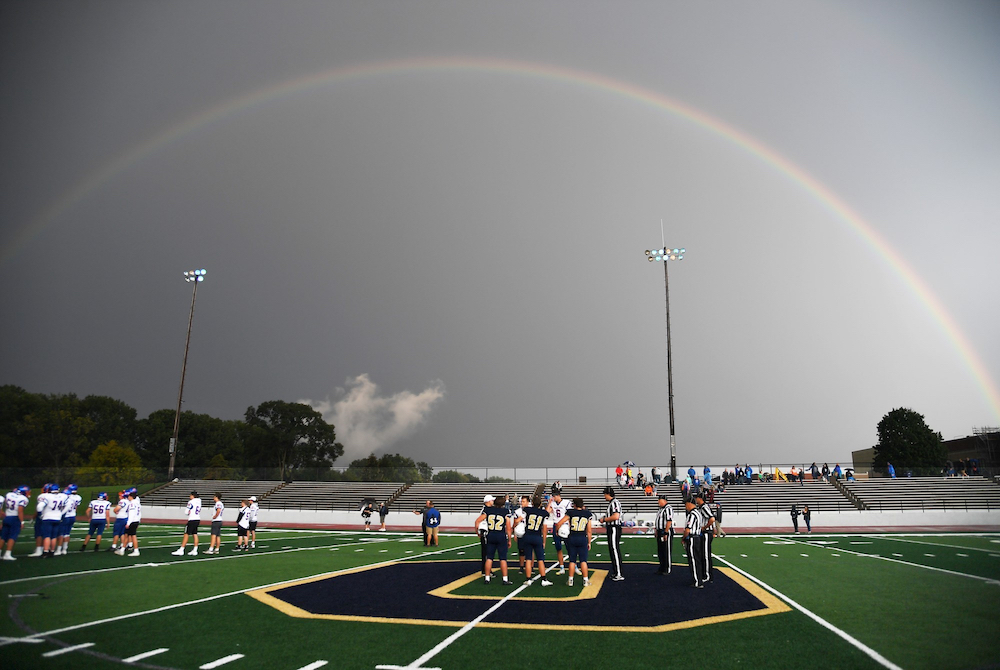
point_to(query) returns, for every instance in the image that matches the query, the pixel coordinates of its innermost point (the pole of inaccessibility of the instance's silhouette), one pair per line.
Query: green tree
(56, 433)
(454, 477)
(15, 404)
(388, 468)
(200, 438)
(112, 463)
(905, 440)
(113, 420)
(289, 435)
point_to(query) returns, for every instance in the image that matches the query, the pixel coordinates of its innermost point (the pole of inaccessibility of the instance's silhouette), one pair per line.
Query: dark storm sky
(448, 262)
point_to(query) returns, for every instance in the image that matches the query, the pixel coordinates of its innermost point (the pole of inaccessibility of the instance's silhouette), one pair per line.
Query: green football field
(309, 599)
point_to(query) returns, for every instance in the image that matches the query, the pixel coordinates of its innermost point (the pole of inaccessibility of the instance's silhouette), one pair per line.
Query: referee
(707, 534)
(693, 543)
(613, 522)
(664, 535)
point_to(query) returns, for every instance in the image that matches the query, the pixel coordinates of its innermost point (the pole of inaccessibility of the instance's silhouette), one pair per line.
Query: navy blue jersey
(534, 520)
(579, 519)
(496, 524)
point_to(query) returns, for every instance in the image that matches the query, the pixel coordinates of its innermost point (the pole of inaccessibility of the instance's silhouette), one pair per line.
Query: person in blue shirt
(892, 470)
(432, 518)
(579, 540)
(498, 532)
(749, 472)
(708, 475)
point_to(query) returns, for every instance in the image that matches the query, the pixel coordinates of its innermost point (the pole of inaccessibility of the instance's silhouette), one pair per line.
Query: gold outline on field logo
(588, 593)
(772, 605)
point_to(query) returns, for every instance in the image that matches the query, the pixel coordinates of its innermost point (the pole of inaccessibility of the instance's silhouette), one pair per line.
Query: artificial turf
(915, 617)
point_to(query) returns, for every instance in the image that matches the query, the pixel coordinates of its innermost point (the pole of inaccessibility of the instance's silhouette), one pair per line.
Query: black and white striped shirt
(694, 522)
(614, 507)
(664, 516)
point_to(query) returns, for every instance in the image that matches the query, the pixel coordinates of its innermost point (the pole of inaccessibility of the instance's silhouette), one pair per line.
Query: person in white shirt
(254, 509)
(73, 501)
(97, 511)
(52, 514)
(557, 510)
(121, 521)
(215, 540)
(243, 526)
(193, 521)
(134, 517)
(13, 508)
(40, 504)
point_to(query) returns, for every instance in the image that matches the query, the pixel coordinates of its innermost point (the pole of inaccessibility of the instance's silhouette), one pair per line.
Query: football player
(13, 508)
(134, 518)
(73, 501)
(39, 505)
(580, 537)
(98, 512)
(52, 514)
(497, 539)
(121, 522)
(255, 509)
(533, 542)
(557, 511)
(215, 539)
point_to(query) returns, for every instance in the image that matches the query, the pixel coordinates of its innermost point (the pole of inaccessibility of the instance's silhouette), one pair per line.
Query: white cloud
(367, 422)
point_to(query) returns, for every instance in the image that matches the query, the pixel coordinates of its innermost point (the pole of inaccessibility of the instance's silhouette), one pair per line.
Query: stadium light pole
(194, 277)
(666, 255)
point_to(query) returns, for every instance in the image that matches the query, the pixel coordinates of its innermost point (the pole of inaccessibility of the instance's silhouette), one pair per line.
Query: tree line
(101, 440)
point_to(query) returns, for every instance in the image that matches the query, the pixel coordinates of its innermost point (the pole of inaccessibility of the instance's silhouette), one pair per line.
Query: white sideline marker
(221, 661)
(314, 665)
(145, 654)
(29, 640)
(821, 621)
(66, 650)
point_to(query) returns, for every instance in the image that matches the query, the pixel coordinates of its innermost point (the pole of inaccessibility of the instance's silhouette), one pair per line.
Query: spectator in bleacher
(707, 472)
(648, 490)
(892, 470)
(749, 474)
(640, 480)
(793, 475)
(383, 512)
(807, 517)
(620, 476)
(814, 471)
(850, 474)
(826, 472)
(655, 474)
(837, 473)
(795, 519)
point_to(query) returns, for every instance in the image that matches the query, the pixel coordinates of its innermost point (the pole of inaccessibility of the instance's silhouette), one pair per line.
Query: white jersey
(254, 508)
(194, 509)
(220, 508)
(13, 501)
(121, 509)
(134, 510)
(99, 509)
(243, 518)
(557, 510)
(73, 501)
(54, 503)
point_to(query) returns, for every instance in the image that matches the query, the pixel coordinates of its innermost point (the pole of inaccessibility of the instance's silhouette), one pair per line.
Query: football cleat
(586, 582)
(179, 552)
(546, 582)
(569, 582)
(193, 552)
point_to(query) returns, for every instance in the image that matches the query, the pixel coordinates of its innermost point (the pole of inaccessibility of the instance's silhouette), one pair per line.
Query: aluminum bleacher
(920, 493)
(177, 493)
(338, 496)
(761, 497)
(457, 497)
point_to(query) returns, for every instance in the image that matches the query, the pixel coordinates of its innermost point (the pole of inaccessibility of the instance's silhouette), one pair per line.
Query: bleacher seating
(177, 493)
(777, 496)
(457, 497)
(919, 493)
(337, 496)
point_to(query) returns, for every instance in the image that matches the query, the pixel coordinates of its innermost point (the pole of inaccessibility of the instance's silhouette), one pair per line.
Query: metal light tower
(195, 277)
(666, 255)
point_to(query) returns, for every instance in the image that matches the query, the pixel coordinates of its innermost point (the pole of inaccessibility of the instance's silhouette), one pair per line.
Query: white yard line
(221, 661)
(314, 665)
(896, 560)
(183, 562)
(145, 654)
(66, 650)
(445, 643)
(165, 608)
(938, 544)
(882, 660)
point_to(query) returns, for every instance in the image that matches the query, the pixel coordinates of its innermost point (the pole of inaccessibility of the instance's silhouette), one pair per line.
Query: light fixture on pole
(666, 255)
(194, 277)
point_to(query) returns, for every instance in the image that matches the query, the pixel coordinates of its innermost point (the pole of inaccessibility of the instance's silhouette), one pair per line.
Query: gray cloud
(368, 421)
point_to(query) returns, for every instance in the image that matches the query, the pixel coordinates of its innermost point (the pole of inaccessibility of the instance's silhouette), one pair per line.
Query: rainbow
(590, 80)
